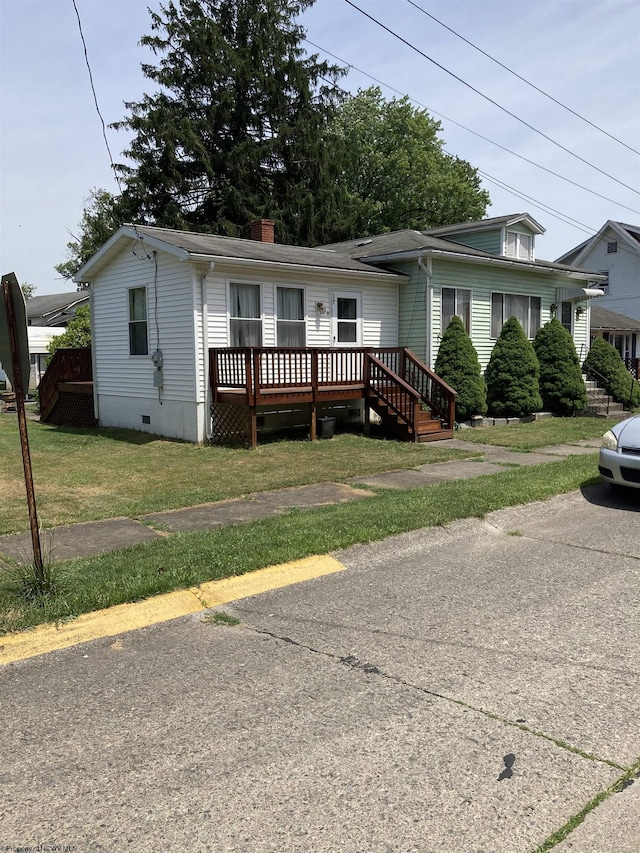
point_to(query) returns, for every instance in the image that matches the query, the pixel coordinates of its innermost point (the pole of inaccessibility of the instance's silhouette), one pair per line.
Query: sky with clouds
(585, 54)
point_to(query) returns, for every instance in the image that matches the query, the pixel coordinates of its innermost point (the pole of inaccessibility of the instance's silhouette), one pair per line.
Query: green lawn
(84, 475)
(190, 558)
(544, 433)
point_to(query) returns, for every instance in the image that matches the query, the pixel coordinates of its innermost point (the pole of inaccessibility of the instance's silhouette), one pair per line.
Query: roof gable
(628, 234)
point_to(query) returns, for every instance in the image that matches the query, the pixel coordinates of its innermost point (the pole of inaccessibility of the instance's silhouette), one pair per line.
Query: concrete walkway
(96, 537)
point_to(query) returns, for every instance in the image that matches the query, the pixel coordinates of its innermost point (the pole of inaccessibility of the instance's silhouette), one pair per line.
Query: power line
(487, 98)
(95, 97)
(474, 132)
(520, 77)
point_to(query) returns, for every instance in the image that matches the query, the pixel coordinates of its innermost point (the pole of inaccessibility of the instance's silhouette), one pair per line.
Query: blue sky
(586, 54)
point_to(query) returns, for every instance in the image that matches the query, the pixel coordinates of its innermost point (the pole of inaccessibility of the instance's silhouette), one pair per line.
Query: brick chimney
(262, 230)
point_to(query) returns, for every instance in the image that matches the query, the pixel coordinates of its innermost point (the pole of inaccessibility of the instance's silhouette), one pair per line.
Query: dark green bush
(457, 363)
(562, 387)
(605, 360)
(512, 374)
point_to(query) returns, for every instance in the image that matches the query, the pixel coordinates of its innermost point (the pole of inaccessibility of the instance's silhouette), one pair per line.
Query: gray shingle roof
(39, 306)
(602, 318)
(234, 247)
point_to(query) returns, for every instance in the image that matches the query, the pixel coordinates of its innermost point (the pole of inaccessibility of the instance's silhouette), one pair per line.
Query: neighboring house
(485, 272)
(160, 299)
(622, 332)
(615, 252)
(47, 317)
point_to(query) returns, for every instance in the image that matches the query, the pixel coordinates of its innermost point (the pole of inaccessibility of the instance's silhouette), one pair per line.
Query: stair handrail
(599, 378)
(447, 414)
(68, 364)
(398, 380)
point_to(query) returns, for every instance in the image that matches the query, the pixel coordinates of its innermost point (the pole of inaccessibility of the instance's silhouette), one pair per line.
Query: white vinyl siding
(486, 241)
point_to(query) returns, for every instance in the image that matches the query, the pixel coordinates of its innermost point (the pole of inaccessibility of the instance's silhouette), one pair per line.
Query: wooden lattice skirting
(230, 424)
(73, 409)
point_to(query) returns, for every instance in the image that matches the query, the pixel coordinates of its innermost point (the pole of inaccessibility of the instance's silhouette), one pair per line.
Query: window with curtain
(138, 337)
(456, 302)
(526, 310)
(245, 315)
(291, 326)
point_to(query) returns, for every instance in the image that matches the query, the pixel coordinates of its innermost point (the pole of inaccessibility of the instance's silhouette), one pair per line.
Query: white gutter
(428, 270)
(205, 345)
(93, 354)
(476, 259)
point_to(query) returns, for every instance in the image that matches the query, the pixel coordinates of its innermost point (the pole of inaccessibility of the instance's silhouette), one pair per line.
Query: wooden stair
(427, 428)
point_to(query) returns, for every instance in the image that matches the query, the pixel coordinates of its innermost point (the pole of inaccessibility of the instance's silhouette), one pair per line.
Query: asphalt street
(469, 688)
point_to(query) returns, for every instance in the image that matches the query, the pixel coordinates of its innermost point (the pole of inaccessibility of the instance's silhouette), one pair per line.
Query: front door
(346, 318)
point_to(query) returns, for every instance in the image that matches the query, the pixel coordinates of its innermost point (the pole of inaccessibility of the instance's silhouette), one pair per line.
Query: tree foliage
(235, 129)
(77, 334)
(606, 361)
(28, 289)
(457, 363)
(395, 173)
(512, 374)
(103, 214)
(562, 387)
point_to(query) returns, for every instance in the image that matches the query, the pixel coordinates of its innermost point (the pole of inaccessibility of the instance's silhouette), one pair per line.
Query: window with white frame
(291, 326)
(245, 315)
(456, 302)
(138, 336)
(519, 246)
(526, 310)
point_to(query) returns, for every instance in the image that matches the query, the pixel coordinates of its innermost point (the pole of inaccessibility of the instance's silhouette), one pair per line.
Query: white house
(160, 299)
(615, 253)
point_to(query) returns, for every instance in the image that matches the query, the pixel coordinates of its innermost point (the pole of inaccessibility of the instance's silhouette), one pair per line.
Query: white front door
(346, 318)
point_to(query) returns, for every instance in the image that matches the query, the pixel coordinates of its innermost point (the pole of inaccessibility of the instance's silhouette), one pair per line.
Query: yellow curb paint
(161, 608)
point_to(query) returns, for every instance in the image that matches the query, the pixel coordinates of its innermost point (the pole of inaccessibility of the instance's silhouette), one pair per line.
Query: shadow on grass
(130, 436)
(613, 497)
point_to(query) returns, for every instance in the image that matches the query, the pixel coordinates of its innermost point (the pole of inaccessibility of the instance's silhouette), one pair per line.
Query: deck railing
(633, 366)
(313, 372)
(66, 365)
(393, 391)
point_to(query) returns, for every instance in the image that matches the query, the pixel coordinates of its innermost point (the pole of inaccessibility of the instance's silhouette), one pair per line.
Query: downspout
(205, 347)
(428, 270)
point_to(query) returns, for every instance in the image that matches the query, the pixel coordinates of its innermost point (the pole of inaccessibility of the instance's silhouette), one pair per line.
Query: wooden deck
(415, 403)
(66, 389)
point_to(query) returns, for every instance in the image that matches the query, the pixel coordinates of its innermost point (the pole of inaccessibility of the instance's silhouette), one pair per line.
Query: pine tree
(457, 363)
(236, 129)
(561, 385)
(512, 374)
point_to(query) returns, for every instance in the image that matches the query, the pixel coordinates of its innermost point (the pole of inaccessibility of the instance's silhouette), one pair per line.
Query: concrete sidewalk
(97, 537)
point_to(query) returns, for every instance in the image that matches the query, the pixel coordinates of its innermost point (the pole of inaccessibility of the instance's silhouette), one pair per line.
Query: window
(526, 310)
(603, 285)
(456, 302)
(138, 343)
(245, 315)
(519, 246)
(291, 323)
(612, 247)
(566, 312)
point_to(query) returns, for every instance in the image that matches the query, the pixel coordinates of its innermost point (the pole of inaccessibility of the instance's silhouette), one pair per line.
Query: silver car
(619, 461)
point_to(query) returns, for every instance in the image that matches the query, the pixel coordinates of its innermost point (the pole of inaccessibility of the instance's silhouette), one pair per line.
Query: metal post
(22, 425)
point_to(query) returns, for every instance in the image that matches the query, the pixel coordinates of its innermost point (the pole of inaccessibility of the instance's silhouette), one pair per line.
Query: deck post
(366, 376)
(253, 418)
(314, 394)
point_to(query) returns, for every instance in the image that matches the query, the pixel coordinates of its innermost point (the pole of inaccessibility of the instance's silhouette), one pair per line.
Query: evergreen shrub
(562, 387)
(606, 360)
(512, 375)
(457, 363)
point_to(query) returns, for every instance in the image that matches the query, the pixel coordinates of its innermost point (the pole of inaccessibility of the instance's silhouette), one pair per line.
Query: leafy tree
(395, 173)
(561, 385)
(512, 374)
(77, 334)
(606, 361)
(103, 214)
(28, 289)
(235, 130)
(457, 363)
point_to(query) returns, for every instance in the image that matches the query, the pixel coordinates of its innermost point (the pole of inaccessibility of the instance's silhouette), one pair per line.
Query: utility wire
(520, 77)
(469, 130)
(95, 97)
(487, 98)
